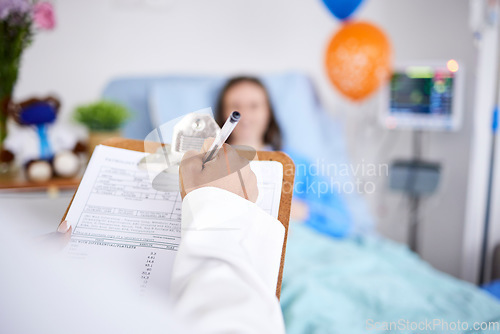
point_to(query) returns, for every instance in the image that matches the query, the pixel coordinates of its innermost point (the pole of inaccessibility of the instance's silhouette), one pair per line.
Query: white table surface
(33, 213)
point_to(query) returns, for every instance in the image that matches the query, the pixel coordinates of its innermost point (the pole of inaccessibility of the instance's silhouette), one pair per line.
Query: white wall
(98, 39)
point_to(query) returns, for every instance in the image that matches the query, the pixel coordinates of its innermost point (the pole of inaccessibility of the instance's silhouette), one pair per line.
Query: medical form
(121, 222)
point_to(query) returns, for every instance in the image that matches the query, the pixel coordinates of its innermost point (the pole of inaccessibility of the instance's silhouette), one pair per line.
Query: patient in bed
(353, 282)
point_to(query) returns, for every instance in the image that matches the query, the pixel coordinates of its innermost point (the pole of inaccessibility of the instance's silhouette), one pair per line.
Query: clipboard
(286, 189)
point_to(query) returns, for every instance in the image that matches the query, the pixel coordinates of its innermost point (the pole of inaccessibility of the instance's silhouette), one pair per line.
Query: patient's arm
(299, 210)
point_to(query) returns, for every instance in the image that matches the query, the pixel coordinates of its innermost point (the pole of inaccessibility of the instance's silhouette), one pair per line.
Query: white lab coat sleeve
(225, 273)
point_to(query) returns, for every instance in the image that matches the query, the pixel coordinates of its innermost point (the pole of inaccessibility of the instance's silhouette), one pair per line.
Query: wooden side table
(16, 181)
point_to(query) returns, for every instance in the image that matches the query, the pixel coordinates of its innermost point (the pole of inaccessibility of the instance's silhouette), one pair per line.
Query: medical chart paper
(121, 222)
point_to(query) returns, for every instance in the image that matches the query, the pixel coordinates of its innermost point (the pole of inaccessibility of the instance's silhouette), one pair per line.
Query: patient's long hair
(272, 136)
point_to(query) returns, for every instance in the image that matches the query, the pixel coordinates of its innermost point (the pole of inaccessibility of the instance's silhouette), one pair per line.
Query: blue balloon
(342, 9)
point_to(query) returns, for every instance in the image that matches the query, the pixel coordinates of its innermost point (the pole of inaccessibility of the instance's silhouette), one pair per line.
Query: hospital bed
(340, 276)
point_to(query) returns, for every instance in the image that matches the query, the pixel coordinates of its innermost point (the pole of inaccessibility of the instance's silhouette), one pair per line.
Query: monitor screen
(422, 97)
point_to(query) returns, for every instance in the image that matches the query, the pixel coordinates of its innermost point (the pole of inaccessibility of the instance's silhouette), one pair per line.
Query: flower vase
(6, 157)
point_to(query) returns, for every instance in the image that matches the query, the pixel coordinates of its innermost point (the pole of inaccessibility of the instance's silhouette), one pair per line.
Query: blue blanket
(354, 285)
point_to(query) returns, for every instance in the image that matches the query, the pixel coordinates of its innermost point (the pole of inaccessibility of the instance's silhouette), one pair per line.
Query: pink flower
(43, 15)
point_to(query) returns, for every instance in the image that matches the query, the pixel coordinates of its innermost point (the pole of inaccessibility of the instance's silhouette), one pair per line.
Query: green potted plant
(103, 119)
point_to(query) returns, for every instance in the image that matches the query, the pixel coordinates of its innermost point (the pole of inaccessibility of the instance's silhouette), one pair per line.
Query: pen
(222, 137)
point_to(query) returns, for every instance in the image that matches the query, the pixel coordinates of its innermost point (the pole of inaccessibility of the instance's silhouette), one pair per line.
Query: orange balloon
(358, 59)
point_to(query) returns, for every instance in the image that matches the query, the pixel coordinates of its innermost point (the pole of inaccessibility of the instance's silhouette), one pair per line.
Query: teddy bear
(43, 148)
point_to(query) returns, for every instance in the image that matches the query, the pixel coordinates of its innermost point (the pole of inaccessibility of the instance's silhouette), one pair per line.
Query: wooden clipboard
(286, 190)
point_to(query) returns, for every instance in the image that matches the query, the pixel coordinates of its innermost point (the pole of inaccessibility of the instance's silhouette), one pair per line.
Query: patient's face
(251, 101)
